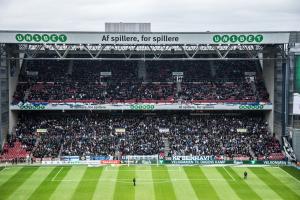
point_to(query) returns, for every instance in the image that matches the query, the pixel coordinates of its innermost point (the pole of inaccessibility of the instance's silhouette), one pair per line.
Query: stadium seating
(231, 136)
(13, 153)
(82, 134)
(222, 81)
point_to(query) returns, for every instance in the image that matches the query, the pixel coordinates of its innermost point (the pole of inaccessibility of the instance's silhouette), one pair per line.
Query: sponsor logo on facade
(236, 38)
(251, 107)
(142, 107)
(53, 37)
(32, 107)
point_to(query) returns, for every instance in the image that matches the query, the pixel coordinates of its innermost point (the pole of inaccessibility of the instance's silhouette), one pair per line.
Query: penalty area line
(143, 181)
(290, 175)
(2, 170)
(229, 174)
(53, 179)
(141, 170)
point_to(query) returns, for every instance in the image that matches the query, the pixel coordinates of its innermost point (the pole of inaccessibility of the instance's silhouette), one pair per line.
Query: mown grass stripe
(202, 186)
(68, 185)
(292, 171)
(106, 185)
(220, 184)
(286, 179)
(144, 189)
(257, 185)
(12, 184)
(275, 184)
(181, 185)
(162, 184)
(47, 187)
(7, 173)
(87, 185)
(124, 187)
(239, 185)
(29, 186)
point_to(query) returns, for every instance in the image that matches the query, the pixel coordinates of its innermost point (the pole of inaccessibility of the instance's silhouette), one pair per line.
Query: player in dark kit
(133, 180)
(245, 175)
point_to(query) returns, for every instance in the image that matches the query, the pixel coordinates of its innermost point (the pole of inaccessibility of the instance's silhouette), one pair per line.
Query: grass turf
(292, 171)
(48, 186)
(153, 182)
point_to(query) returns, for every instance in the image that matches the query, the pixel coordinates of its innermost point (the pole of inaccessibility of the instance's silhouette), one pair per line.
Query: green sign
(32, 107)
(142, 107)
(28, 37)
(193, 162)
(37, 37)
(41, 37)
(251, 107)
(251, 38)
(238, 162)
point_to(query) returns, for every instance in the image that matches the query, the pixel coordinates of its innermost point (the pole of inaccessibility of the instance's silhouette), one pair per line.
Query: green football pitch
(153, 182)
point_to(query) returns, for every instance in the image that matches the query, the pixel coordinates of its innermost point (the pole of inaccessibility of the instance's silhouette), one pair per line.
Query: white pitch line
(289, 175)
(229, 174)
(145, 180)
(5, 168)
(57, 174)
(142, 170)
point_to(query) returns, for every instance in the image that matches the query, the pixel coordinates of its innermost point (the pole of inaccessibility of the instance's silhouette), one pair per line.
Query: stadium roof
(149, 38)
(146, 46)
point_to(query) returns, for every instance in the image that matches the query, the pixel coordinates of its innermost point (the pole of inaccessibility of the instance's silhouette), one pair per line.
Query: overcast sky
(164, 15)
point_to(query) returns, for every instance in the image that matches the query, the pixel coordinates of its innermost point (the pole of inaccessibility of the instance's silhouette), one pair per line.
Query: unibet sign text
(251, 38)
(41, 37)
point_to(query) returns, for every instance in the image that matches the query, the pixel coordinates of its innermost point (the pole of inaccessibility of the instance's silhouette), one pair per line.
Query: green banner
(194, 162)
(32, 107)
(142, 107)
(41, 37)
(237, 162)
(238, 38)
(251, 107)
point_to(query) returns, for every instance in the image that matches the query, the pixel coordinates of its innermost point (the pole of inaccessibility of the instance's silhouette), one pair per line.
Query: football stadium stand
(145, 94)
(228, 136)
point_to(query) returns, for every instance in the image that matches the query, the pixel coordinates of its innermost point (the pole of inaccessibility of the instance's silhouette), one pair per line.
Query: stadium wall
(294, 84)
(296, 143)
(278, 104)
(14, 69)
(4, 106)
(268, 75)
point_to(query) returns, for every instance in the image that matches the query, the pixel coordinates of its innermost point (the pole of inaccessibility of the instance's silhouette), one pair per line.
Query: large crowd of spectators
(218, 90)
(50, 80)
(93, 133)
(48, 134)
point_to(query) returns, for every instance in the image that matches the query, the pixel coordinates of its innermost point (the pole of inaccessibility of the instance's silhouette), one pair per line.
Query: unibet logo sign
(238, 38)
(142, 107)
(251, 107)
(41, 37)
(32, 107)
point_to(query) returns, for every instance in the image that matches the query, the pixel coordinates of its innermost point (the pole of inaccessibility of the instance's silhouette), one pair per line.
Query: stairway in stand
(167, 148)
